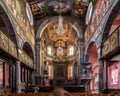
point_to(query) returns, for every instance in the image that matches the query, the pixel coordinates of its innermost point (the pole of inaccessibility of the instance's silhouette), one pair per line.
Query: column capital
(38, 39)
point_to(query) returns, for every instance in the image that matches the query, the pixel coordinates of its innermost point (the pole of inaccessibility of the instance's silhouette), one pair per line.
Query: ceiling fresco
(42, 8)
(69, 37)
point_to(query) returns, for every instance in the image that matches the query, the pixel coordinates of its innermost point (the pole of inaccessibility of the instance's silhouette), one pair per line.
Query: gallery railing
(7, 44)
(26, 59)
(112, 43)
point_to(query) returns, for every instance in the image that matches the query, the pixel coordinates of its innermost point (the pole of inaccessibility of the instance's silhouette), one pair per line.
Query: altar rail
(40, 89)
(75, 89)
(4, 91)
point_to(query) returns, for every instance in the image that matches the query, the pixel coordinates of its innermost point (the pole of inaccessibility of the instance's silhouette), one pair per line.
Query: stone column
(38, 71)
(18, 76)
(101, 76)
(106, 85)
(80, 49)
(101, 70)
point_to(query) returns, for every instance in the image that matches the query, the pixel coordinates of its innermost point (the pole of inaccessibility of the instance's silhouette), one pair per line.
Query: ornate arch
(74, 24)
(9, 19)
(109, 20)
(29, 45)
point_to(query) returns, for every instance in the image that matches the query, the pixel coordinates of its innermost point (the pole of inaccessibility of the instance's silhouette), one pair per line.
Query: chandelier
(60, 28)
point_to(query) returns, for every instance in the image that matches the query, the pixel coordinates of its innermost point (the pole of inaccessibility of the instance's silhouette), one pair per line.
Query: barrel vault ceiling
(42, 8)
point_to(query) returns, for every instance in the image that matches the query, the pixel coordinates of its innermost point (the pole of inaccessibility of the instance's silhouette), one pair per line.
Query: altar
(60, 73)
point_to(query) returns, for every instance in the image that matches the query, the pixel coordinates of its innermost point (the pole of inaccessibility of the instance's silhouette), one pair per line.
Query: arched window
(50, 71)
(71, 50)
(71, 71)
(49, 50)
(115, 76)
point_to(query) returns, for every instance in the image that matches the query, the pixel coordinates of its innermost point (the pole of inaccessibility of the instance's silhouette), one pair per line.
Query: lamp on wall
(60, 28)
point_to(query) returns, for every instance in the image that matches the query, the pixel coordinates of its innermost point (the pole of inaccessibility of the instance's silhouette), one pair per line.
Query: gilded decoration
(8, 45)
(4, 41)
(114, 40)
(111, 43)
(27, 60)
(106, 47)
(12, 48)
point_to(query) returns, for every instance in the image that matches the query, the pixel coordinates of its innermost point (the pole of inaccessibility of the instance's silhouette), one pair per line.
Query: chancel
(60, 47)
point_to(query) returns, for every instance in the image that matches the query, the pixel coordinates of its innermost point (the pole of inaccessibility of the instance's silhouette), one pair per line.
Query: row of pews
(65, 94)
(30, 94)
(89, 94)
(49, 91)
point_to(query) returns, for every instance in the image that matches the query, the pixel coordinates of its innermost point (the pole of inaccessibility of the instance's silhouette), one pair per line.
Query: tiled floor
(58, 91)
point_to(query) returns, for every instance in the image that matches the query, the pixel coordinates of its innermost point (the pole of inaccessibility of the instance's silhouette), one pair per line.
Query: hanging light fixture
(60, 28)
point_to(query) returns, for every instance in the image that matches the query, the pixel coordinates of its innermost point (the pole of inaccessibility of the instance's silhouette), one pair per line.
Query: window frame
(69, 50)
(49, 46)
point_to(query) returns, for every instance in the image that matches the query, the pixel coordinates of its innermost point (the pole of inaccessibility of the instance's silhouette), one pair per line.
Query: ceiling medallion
(60, 28)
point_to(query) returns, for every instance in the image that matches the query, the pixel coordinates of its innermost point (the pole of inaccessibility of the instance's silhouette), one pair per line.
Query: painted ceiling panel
(42, 8)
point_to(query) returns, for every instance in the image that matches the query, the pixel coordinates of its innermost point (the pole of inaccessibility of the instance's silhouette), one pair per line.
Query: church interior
(59, 47)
